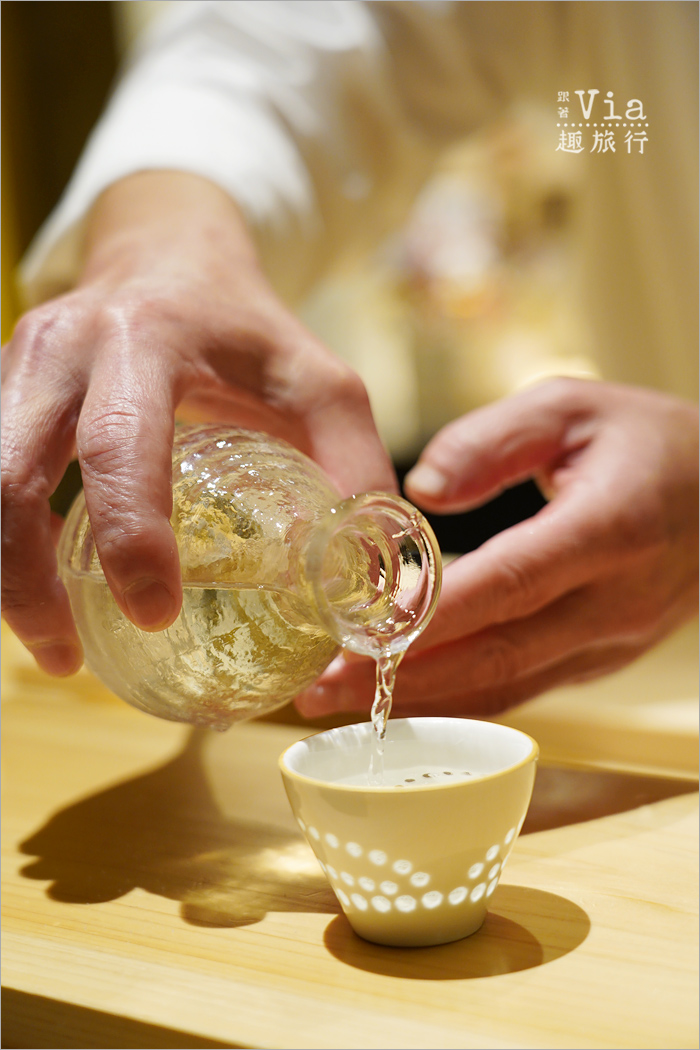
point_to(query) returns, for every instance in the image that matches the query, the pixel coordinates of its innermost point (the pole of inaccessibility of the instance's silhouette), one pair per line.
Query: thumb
(479, 455)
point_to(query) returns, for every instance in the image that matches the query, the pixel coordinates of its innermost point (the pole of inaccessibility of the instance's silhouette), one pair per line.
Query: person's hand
(171, 310)
(597, 577)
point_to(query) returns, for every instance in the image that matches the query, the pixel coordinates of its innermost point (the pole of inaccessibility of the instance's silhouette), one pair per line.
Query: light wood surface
(157, 893)
(642, 719)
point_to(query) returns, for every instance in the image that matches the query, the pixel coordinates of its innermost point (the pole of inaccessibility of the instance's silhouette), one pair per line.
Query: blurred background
(475, 298)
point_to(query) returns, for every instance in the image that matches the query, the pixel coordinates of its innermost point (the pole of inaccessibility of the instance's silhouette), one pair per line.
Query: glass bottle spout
(374, 565)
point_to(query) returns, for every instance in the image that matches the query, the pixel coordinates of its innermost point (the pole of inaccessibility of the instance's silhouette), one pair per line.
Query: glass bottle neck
(375, 569)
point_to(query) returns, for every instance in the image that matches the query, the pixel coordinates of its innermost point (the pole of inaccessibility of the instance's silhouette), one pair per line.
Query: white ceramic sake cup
(415, 859)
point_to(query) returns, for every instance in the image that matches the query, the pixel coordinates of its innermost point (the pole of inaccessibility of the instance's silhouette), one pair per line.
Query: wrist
(163, 222)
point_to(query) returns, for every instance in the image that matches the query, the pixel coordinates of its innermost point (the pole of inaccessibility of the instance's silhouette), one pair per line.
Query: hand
(171, 310)
(597, 577)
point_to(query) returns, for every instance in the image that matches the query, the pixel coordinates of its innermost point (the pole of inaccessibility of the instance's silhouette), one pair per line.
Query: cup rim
(531, 756)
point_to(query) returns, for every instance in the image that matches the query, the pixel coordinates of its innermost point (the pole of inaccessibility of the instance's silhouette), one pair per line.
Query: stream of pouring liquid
(387, 666)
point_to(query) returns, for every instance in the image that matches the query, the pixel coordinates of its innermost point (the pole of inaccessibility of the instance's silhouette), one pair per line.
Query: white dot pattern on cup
(419, 878)
(381, 904)
(390, 895)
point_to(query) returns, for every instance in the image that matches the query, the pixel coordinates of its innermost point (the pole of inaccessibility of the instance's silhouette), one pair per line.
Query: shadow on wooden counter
(547, 926)
(573, 796)
(163, 831)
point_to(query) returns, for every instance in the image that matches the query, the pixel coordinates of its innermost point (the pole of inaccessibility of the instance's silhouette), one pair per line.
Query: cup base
(414, 860)
(415, 938)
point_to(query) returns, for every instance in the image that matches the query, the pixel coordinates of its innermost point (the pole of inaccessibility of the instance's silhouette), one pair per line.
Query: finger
(343, 686)
(477, 456)
(494, 700)
(564, 547)
(586, 621)
(422, 690)
(320, 404)
(39, 408)
(344, 441)
(227, 407)
(124, 438)
(493, 657)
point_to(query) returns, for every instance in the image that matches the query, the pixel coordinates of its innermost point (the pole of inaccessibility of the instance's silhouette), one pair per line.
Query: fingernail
(57, 658)
(150, 604)
(426, 479)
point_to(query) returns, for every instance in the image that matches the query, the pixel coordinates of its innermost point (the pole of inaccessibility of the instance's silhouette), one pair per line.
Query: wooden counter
(157, 893)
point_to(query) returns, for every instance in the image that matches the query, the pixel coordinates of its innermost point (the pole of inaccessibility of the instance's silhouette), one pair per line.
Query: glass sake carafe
(277, 573)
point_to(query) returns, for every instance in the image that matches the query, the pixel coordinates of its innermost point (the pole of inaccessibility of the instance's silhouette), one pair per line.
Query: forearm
(158, 221)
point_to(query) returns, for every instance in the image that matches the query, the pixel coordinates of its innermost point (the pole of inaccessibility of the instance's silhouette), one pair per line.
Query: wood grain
(157, 893)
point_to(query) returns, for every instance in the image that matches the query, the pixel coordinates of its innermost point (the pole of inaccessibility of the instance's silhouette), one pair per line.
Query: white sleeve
(297, 108)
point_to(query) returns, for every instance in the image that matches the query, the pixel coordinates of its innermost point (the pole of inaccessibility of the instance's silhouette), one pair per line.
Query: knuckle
(460, 451)
(24, 489)
(105, 440)
(517, 590)
(459, 444)
(124, 536)
(38, 334)
(639, 527)
(136, 328)
(333, 385)
(502, 660)
(124, 315)
(134, 542)
(41, 356)
(562, 391)
(41, 326)
(34, 326)
(338, 380)
(346, 387)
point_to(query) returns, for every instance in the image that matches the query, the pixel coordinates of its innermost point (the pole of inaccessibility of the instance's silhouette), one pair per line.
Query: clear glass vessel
(277, 573)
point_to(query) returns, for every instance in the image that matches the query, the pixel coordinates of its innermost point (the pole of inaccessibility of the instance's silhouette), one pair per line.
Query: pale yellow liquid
(421, 776)
(387, 666)
(230, 654)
